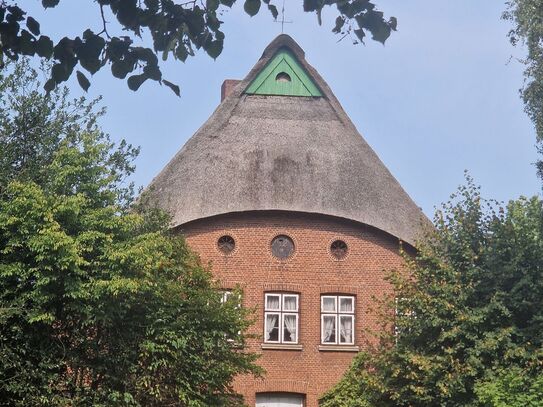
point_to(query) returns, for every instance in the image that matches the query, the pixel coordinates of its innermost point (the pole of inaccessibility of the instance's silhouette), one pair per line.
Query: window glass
(337, 319)
(346, 323)
(328, 304)
(328, 329)
(272, 327)
(290, 328)
(290, 302)
(281, 318)
(273, 302)
(346, 304)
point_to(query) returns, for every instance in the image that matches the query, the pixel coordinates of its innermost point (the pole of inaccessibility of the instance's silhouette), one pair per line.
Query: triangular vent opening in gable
(284, 76)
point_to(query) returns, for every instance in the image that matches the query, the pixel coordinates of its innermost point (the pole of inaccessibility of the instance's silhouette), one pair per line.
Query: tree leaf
(311, 5)
(27, 43)
(393, 23)
(44, 47)
(212, 5)
(381, 33)
(214, 48)
(172, 86)
(135, 81)
(50, 3)
(61, 72)
(251, 7)
(340, 22)
(121, 68)
(49, 85)
(360, 34)
(273, 11)
(83, 81)
(33, 26)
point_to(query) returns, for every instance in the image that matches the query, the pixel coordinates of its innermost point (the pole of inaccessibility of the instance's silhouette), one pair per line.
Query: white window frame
(337, 314)
(397, 314)
(225, 294)
(281, 313)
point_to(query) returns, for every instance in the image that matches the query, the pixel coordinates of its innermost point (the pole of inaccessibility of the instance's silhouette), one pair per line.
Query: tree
(527, 17)
(513, 387)
(99, 304)
(177, 28)
(468, 309)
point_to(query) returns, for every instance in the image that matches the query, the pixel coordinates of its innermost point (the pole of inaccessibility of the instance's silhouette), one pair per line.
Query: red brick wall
(310, 271)
(227, 86)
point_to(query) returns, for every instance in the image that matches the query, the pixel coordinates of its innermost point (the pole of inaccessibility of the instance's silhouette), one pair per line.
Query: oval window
(282, 247)
(338, 248)
(226, 244)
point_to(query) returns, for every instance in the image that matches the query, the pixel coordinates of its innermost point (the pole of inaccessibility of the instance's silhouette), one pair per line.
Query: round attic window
(282, 77)
(226, 244)
(282, 247)
(339, 249)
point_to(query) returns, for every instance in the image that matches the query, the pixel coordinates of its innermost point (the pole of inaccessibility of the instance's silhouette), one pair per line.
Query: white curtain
(346, 329)
(272, 302)
(329, 304)
(271, 324)
(290, 326)
(346, 304)
(329, 327)
(289, 303)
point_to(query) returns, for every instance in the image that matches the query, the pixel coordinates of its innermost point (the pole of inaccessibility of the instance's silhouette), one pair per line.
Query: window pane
(290, 303)
(328, 329)
(346, 326)
(225, 296)
(329, 304)
(346, 304)
(273, 302)
(272, 327)
(290, 331)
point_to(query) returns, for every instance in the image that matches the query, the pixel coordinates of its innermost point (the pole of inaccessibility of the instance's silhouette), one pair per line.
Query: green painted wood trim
(300, 83)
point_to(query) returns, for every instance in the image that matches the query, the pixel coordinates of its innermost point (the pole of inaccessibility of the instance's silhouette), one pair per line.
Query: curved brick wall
(310, 272)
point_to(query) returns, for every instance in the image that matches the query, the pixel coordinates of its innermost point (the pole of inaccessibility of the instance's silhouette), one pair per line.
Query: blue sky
(439, 98)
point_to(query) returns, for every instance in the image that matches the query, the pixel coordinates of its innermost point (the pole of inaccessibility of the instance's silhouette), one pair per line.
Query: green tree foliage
(177, 29)
(99, 304)
(469, 308)
(527, 17)
(514, 387)
(34, 124)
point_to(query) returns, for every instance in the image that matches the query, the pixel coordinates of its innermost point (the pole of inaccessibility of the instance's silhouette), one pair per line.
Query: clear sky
(439, 98)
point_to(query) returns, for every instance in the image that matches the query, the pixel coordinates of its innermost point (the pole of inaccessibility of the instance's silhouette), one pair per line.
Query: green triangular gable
(283, 62)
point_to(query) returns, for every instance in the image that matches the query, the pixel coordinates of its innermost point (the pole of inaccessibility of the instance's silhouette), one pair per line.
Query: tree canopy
(99, 304)
(177, 29)
(468, 315)
(527, 17)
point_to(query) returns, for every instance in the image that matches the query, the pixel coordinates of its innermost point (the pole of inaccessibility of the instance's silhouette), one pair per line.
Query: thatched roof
(288, 153)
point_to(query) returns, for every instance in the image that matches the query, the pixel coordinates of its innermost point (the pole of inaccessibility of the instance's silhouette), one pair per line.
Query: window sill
(339, 348)
(281, 346)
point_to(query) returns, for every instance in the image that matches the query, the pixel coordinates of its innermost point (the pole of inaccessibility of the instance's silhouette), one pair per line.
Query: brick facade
(310, 272)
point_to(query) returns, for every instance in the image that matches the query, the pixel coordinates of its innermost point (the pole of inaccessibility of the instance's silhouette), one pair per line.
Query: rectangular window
(403, 314)
(281, 318)
(337, 320)
(225, 294)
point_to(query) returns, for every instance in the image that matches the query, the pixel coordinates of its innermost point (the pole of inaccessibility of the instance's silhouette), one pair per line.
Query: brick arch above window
(340, 289)
(286, 386)
(295, 288)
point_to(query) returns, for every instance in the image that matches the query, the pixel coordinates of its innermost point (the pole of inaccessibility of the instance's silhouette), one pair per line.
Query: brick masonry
(310, 272)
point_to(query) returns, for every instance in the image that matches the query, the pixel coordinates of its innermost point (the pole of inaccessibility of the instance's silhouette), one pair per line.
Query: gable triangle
(283, 75)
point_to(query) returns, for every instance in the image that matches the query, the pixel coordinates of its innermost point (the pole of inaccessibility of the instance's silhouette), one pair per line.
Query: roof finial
(283, 21)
